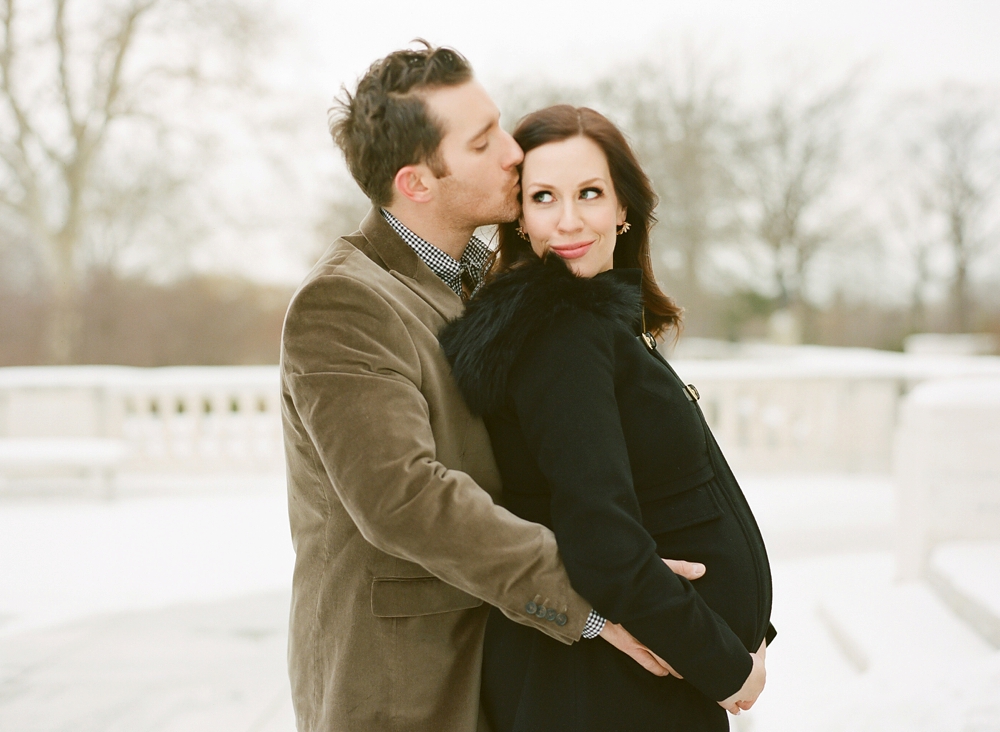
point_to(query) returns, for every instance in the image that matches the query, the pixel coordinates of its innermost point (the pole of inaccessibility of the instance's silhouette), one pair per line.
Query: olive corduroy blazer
(391, 487)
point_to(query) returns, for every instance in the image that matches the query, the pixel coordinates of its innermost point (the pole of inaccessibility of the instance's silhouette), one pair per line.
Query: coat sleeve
(563, 388)
(354, 374)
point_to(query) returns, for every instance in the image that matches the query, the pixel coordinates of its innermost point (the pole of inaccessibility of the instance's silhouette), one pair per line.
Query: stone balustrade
(170, 420)
(780, 410)
(811, 408)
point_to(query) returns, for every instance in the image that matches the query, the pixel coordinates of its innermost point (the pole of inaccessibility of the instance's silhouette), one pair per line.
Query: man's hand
(621, 639)
(687, 570)
(746, 696)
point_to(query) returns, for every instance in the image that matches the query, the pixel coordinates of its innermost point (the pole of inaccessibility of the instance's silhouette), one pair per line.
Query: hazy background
(166, 174)
(829, 174)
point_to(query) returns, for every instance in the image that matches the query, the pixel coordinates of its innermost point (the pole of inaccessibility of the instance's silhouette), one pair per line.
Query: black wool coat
(597, 438)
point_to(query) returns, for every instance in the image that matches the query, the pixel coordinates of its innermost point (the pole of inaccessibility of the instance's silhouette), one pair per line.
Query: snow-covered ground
(67, 560)
(856, 650)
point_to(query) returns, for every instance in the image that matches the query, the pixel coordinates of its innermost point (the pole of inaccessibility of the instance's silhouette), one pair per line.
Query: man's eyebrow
(483, 130)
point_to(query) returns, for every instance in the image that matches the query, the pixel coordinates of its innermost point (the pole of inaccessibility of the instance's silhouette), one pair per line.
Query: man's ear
(411, 182)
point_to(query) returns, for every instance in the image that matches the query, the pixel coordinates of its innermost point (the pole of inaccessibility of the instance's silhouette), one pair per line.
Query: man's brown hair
(385, 125)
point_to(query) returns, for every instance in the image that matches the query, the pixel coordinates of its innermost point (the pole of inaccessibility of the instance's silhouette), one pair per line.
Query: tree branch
(123, 40)
(59, 32)
(21, 162)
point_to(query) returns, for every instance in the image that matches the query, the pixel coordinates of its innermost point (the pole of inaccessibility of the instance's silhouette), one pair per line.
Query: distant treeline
(223, 321)
(194, 321)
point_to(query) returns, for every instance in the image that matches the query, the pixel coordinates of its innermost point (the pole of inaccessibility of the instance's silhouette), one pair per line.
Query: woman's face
(569, 204)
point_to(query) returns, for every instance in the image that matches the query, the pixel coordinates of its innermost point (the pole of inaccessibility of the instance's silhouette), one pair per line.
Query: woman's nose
(569, 220)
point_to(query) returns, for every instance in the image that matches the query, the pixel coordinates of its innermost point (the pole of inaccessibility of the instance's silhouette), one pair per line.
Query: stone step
(966, 576)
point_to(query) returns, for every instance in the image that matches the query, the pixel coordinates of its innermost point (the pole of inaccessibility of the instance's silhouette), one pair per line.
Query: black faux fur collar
(484, 343)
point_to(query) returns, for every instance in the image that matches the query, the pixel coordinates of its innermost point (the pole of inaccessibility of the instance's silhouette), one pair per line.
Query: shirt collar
(474, 258)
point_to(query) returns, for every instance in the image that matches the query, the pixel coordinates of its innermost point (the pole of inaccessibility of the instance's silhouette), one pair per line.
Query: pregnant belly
(730, 585)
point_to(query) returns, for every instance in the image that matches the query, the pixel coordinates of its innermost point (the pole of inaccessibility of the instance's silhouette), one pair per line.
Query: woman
(597, 438)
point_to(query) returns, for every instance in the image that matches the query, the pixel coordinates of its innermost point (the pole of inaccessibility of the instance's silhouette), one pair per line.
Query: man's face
(481, 158)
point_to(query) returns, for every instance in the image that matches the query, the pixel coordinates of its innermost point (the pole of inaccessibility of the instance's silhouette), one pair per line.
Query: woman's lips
(573, 251)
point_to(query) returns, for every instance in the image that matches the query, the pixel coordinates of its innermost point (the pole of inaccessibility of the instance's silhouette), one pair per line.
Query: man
(391, 481)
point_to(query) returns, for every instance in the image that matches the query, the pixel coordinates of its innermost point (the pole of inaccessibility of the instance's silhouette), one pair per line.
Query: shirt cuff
(594, 626)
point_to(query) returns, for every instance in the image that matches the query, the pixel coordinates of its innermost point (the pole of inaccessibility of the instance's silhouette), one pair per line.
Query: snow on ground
(971, 567)
(65, 560)
(807, 514)
(855, 651)
(858, 652)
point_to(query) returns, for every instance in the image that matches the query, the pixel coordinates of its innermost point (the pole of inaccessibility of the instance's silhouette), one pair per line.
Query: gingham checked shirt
(449, 269)
(473, 263)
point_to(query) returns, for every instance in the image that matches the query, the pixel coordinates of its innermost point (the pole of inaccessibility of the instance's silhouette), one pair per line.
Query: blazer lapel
(409, 268)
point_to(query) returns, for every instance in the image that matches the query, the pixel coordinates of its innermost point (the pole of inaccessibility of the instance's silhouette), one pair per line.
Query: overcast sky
(904, 46)
(915, 42)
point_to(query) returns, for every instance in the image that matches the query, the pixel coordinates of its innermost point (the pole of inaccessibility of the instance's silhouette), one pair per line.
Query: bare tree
(957, 180)
(791, 158)
(90, 95)
(682, 121)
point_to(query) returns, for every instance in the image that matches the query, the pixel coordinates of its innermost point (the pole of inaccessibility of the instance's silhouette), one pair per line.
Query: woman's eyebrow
(583, 184)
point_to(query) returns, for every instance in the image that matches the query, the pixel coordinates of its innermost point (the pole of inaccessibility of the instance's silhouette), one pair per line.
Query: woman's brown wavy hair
(632, 187)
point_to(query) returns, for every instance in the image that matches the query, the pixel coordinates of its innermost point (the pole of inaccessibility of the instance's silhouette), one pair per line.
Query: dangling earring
(522, 233)
(625, 227)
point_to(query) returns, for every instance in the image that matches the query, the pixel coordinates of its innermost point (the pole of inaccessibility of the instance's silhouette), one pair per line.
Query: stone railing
(812, 408)
(189, 420)
(793, 409)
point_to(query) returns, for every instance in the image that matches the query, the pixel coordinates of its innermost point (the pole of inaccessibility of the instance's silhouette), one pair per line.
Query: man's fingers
(621, 639)
(687, 570)
(744, 705)
(666, 665)
(649, 663)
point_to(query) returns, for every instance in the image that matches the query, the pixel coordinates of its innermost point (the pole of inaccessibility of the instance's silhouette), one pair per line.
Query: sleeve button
(561, 619)
(541, 611)
(551, 615)
(531, 608)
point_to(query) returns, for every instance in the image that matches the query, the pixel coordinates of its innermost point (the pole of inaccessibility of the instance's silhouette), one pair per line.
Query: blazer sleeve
(353, 374)
(563, 389)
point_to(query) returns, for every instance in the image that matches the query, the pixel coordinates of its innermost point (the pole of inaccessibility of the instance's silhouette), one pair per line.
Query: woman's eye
(482, 148)
(589, 193)
(542, 197)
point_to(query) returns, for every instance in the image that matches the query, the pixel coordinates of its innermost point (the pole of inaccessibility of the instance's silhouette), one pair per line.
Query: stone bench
(94, 459)
(946, 469)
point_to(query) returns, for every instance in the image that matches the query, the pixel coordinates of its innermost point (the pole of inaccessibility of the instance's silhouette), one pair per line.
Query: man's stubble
(472, 207)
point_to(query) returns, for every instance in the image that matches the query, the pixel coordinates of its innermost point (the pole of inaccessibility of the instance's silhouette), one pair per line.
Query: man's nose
(514, 154)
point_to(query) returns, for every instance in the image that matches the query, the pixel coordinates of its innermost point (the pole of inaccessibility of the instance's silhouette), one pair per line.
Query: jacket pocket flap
(679, 511)
(663, 488)
(407, 597)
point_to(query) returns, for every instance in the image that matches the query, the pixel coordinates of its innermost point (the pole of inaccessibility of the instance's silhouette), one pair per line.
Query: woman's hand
(621, 639)
(747, 695)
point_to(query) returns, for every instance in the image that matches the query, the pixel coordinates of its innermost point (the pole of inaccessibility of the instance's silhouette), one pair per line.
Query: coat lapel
(408, 268)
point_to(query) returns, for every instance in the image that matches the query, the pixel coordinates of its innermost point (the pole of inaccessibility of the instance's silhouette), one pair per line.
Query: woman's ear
(622, 214)
(411, 183)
